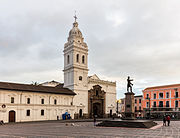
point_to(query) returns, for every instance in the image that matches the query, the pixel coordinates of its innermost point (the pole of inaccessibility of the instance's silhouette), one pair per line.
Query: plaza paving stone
(57, 129)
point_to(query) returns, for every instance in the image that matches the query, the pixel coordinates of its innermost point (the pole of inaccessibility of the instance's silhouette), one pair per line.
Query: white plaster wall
(20, 106)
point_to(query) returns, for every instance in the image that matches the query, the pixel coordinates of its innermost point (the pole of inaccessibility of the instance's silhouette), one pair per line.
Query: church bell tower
(76, 68)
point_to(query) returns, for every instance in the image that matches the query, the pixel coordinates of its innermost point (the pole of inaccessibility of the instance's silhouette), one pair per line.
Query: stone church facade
(80, 95)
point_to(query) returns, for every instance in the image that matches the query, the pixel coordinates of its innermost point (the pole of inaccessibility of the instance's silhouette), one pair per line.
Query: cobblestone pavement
(85, 130)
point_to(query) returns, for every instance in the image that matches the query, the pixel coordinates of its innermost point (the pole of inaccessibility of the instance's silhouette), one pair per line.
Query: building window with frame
(160, 103)
(139, 108)
(167, 94)
(77, 58)
(160, 95)
(177, 95)
(80, 78)
(154, 95)
(154, 104)
(147, 104)
(42, 112)
(42, 101)
(27, 112)
(55, 101)
(28, 100)
(12, 99)
(139, 100)
(135, 100)
(83, 59)
(167, 103)
(135, 109)
(68, 59)
(176, 103)
(147, 96)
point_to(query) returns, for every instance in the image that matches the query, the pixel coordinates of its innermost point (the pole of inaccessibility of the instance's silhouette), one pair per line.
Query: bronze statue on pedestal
(129, 84)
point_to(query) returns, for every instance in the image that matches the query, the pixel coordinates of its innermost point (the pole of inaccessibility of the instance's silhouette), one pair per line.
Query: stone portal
(96, 102)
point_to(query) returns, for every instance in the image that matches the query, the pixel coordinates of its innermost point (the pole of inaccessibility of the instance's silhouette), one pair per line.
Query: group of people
(166, 118)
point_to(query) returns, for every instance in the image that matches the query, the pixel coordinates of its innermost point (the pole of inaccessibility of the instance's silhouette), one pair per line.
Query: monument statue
(129, 84)
(128, 119)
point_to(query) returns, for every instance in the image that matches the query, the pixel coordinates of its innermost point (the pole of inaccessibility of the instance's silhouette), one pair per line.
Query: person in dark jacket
(164, 120)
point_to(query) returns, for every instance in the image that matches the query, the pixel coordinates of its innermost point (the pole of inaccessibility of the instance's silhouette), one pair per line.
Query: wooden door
(12, 116)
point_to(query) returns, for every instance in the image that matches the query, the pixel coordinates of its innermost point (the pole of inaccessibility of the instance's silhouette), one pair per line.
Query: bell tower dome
(76, 67)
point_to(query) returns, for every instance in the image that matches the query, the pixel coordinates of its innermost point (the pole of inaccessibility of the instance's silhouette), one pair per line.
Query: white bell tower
(76, 68)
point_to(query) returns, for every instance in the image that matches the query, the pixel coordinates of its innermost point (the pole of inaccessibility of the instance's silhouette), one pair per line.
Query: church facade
(93, 96)
(80, 95)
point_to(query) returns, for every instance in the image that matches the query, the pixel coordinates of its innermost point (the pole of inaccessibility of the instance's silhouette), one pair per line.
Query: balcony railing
(161, 106)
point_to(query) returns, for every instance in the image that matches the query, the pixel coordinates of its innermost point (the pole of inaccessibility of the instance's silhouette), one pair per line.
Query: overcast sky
(140, 38)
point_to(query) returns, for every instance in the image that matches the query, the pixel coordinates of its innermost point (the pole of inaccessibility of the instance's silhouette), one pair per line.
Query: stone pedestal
(129, 105)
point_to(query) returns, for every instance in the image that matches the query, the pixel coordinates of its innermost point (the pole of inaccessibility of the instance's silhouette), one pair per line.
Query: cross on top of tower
(75, 17)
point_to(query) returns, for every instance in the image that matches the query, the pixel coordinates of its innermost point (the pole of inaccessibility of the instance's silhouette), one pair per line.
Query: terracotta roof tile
(35, 88)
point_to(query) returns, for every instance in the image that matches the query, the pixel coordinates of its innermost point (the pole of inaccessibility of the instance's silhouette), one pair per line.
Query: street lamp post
(117, 107)
(149, 109)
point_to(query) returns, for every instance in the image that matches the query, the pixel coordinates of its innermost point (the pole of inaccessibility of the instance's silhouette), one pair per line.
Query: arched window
(28, 100)
(42, 101)
(77, 58)
(83, 59)
(68, 59)
(55, 101)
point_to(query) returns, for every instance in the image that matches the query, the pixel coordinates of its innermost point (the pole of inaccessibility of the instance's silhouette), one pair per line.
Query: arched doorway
(12, 116)
(97, 109)
(96, 102)
(80, 113)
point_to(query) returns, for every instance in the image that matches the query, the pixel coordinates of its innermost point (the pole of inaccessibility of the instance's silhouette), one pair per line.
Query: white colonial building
(22, 102)
(82, 96)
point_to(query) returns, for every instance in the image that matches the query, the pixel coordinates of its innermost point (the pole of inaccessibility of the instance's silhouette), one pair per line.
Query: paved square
(57, 129)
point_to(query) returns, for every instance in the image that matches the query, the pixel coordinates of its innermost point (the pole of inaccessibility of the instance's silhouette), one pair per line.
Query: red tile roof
(35, 88)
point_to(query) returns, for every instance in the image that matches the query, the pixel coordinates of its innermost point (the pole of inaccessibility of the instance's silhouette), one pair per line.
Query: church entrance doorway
(96, 102)
(12, 115)
(97, 109)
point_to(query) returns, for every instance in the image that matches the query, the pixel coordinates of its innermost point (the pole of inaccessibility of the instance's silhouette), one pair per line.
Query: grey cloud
(138, 38)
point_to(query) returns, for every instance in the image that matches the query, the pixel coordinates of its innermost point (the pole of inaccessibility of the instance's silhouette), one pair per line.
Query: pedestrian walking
(1, 122)
(94, 121)
(168, 118)
(164, 120)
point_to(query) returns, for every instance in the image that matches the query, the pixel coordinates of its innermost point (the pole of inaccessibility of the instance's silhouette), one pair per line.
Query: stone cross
(75, 17)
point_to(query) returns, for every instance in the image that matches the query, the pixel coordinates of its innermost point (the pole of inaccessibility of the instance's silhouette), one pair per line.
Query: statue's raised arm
(129, 84)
